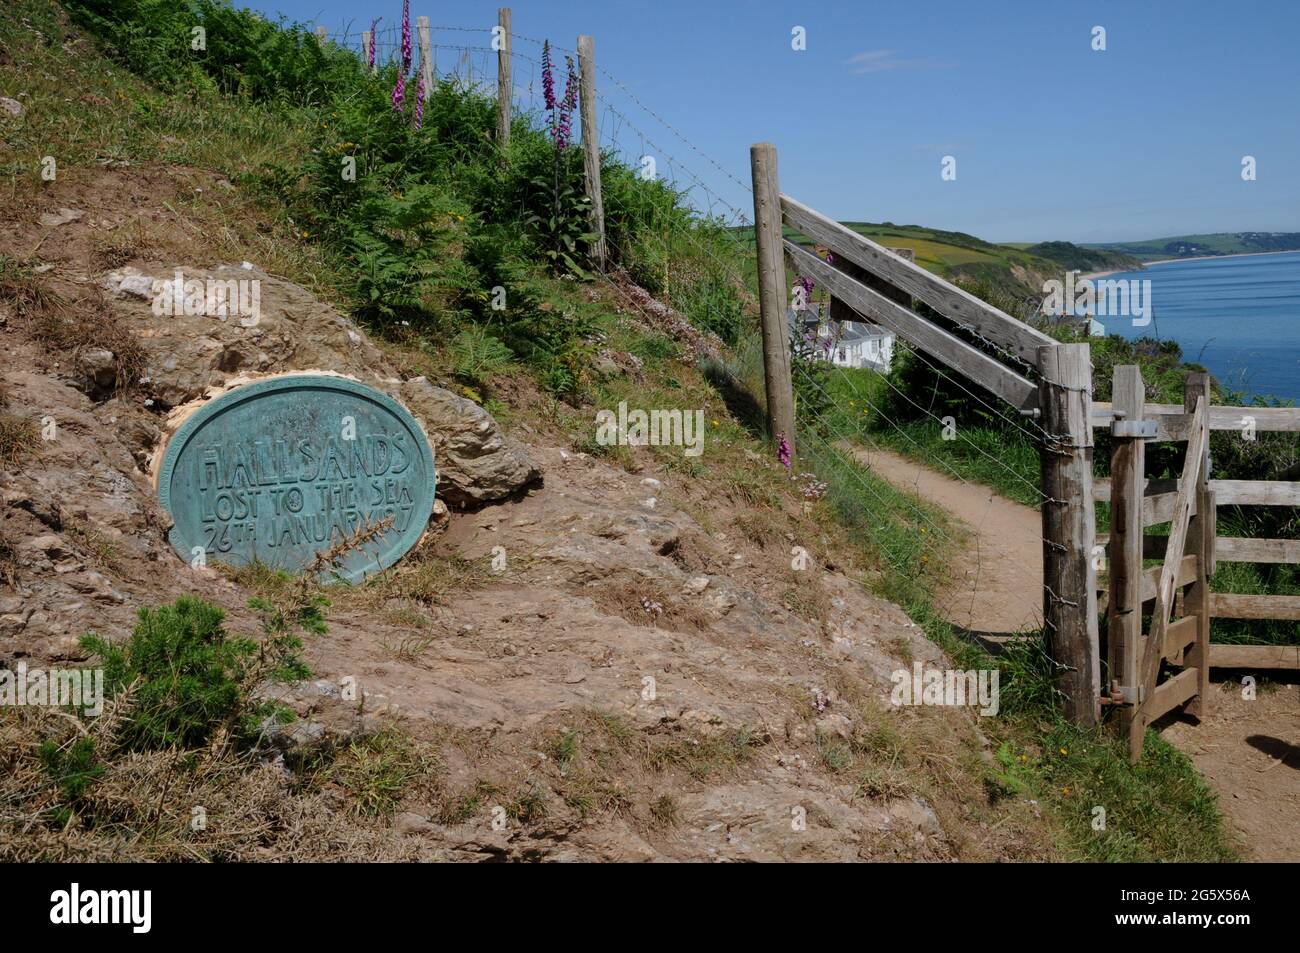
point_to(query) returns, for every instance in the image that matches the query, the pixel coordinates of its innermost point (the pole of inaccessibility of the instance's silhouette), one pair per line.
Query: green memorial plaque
(283, 469)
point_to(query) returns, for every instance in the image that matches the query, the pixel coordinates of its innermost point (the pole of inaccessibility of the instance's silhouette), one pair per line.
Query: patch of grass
(422, 578)
(459, 808)
(906, 540)
(704, 757)
(9, 562)
(410, 648)
(101, 549)
(665, 811)
(806, 598)
(527, 806)
(606, 765)
(378, 771)
(73, 329)
(20, 286)
(1158, 809)
(19, 439)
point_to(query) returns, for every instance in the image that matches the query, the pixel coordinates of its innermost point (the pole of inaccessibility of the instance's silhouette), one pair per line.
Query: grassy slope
(114, 117)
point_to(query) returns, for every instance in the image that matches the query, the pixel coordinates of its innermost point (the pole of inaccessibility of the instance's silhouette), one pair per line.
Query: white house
(844, 343)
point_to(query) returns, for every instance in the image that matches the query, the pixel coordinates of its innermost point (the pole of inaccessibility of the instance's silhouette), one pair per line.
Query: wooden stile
(952, 302)
(968, 361)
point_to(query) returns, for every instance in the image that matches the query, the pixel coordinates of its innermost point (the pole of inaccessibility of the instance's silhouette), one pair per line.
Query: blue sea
(1239, 317)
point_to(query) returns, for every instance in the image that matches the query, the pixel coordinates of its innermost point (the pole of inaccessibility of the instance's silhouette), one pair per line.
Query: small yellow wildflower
(1063, 751)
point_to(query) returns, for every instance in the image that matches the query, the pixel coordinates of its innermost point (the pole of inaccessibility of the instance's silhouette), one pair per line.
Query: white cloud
(877, 61)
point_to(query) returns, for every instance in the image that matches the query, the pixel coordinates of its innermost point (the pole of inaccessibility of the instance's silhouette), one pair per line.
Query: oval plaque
(285, 469)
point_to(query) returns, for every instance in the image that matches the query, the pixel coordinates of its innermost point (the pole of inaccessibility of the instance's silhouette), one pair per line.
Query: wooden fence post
(771, 291)
(504, 92)
(1200, 541)
(591, 143)
(426, 54)
(322, 36)
(1124, 607)
(1069, 534)
(367, 49)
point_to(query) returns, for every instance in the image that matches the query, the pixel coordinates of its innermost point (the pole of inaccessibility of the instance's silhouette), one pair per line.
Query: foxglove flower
(419, 101)
(406, 35)
(783, 450)
(374, 42)
(570, 87)
(564, 123)
(399, 92)
(548, 77)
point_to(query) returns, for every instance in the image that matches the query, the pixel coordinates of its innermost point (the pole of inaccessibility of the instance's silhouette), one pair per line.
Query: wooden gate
(1179, 586)
(1134, 657)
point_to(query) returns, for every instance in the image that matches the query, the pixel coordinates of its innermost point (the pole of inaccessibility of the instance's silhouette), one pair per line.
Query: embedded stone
(295, 472)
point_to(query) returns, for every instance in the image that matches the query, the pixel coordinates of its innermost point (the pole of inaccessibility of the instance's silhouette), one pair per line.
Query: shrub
(244, 54)
(185, 674)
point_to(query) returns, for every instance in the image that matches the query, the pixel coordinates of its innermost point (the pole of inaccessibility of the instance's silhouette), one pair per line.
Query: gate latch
(1126, 694)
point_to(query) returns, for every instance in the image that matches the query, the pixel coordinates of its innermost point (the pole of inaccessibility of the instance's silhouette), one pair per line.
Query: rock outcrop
(190, 356)
(476, 462)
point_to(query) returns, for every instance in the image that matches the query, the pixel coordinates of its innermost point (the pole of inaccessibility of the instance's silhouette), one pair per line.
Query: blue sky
(1052, 139)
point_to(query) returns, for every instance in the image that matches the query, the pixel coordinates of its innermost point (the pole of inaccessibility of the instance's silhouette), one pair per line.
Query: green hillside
(1080, 258)
(1198, 246)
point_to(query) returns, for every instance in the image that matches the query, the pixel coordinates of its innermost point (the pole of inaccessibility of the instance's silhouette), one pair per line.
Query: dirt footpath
(996, 587)
(1248, 751)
